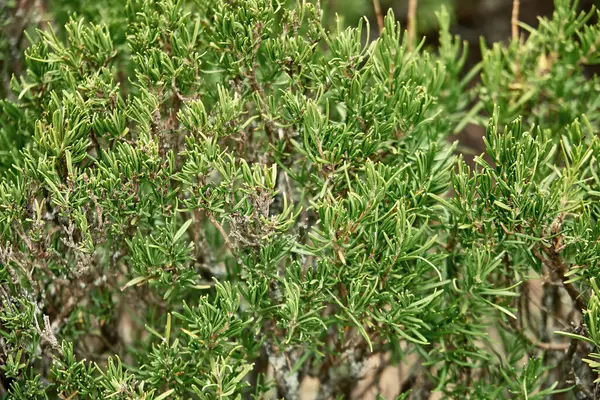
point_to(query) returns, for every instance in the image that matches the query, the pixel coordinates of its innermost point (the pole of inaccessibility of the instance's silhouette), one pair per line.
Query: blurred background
(472, 19)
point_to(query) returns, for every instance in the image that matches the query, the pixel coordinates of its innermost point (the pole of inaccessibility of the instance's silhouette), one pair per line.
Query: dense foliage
(220, 199)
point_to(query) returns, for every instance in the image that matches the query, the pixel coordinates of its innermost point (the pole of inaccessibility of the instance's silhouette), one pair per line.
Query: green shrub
(222, 199)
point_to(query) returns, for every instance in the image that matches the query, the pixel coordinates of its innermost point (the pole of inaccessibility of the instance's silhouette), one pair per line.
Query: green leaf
(181, 230)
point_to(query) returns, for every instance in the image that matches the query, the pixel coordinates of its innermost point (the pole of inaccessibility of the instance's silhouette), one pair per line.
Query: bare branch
(514, 21)
(411, 25)
(378, 15)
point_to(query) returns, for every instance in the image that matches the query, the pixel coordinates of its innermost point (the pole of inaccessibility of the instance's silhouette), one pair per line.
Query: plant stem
(411, 25)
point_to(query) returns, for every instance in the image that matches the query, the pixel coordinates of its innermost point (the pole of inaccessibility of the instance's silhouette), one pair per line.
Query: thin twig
(47, 333)
(411, 25)
(378, 15)
(223, 234)
(551, 346)
(514, 21)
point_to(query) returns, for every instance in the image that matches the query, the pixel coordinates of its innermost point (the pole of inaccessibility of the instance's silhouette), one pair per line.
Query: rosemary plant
(231, 199)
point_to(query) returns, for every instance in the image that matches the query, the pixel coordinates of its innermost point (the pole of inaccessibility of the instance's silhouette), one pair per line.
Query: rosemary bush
(228, 199)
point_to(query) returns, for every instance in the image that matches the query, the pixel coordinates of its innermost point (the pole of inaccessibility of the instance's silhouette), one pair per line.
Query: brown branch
(574, 294)
(552, 346)
(514, 21)
(548, 346)
(411, 25)
(378, 15)
(555, 264)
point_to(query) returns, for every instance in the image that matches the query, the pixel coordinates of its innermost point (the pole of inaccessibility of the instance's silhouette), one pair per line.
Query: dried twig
(378, 15)
(411, 25)
(224, 234)
(550, 346)
(47, 333)
(514, 21)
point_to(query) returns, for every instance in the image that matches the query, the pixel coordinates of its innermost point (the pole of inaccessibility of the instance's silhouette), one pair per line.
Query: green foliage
(222, 199)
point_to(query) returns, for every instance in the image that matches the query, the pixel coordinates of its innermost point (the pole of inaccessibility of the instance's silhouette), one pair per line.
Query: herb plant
(229, 199)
